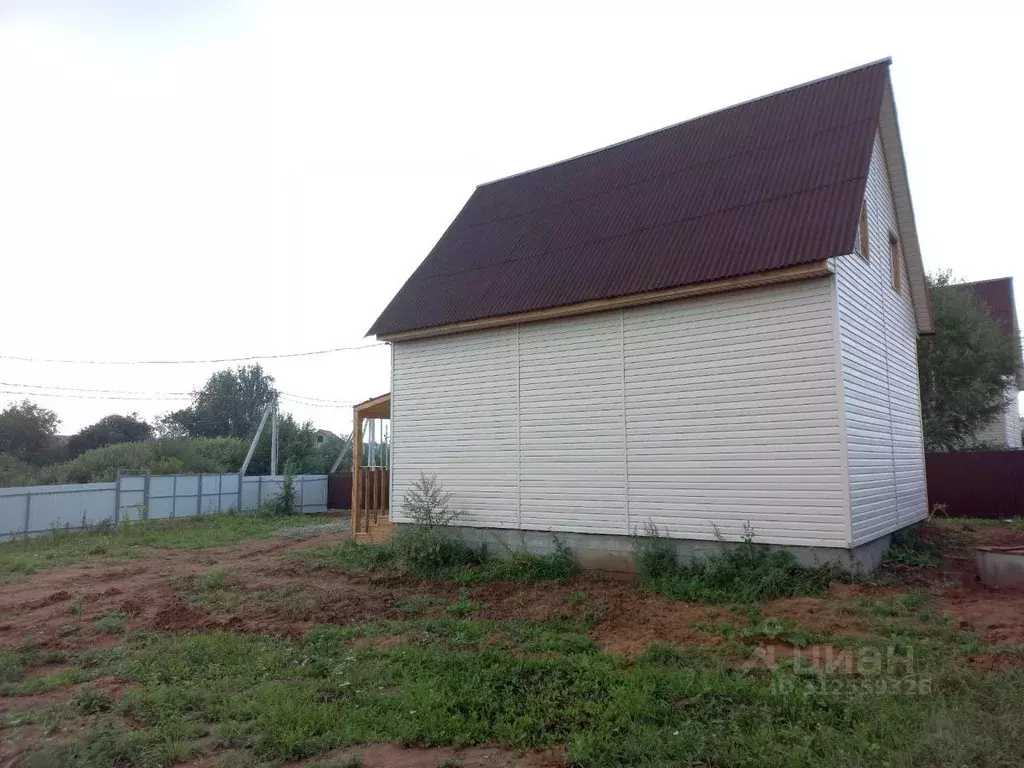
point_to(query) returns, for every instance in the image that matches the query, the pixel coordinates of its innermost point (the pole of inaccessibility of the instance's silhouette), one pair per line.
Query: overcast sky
(196, 180)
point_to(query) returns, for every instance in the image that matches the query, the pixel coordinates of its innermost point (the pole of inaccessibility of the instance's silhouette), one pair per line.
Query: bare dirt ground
(57, 609)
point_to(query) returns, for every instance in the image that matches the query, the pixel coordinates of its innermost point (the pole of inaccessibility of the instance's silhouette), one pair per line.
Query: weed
(745, 573)
(463, 606)
(576, 598)
(109, 624)
(415, 605)
(908, 548)
(559, 565)
(656, 555)
(91, 701)
(76, 607)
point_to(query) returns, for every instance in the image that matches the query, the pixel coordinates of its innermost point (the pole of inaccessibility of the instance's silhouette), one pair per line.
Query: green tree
(110, 430)
(965, 368)
(297, 446)
(230, 404)
(27, 431)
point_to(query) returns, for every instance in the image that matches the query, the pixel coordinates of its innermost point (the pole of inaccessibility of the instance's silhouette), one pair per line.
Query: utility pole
(273, 439)
(256, 438)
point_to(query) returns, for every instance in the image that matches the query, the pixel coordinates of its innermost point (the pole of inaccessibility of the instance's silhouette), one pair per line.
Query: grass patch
(281, 699)
(217, 590)
(437, 554)
(908, 548)
(745, 573)
(65, 547)
(109, 624)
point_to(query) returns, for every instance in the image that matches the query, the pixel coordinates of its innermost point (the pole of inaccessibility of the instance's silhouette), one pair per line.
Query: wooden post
(378, 500)
(357, 462)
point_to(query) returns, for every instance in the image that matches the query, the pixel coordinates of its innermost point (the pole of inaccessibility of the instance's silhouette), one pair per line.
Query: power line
(85, 389)
(329, 401)
(192, 362)
(292, 395)
(84, 397)
(127, 394)
(315, 405)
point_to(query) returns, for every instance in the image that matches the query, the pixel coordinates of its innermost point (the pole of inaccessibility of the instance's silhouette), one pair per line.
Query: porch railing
(370, 497)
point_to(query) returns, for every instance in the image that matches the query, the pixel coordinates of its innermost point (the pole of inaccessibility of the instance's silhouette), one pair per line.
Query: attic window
(862, 232)
(896, 256)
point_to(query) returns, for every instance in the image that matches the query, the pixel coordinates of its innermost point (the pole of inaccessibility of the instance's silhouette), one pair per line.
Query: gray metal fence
(40, 508)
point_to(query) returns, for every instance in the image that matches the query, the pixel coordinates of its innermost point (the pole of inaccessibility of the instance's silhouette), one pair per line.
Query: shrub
(427, 503)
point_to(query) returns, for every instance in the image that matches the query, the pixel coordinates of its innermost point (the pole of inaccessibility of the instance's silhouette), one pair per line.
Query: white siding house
(686, 330)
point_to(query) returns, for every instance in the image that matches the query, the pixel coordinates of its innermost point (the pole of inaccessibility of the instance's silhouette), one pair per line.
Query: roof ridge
(886, 60)
(987, 280)
(668, 174)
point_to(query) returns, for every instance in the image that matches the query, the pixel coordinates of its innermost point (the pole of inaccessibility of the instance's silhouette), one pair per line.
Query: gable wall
(700, 415)
(882, 411)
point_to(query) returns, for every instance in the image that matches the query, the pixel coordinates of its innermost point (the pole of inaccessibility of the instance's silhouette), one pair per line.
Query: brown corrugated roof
(996, 298)
(771, 183)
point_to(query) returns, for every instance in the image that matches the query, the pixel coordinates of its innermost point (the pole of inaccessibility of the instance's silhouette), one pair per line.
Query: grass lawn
(911, 684)
(131, 540)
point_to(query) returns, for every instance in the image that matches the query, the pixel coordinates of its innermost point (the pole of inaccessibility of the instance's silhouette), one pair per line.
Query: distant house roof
(772, 183)
(996, 298)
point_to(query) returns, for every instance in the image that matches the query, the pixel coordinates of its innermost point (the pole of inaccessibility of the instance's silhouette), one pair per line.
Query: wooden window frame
(862, 231)
(896, 260)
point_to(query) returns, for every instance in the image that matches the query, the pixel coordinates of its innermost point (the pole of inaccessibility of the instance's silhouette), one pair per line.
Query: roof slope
(771, 183)
(996, 298)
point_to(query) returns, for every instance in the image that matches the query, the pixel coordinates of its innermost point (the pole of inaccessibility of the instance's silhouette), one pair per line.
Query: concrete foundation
(614, 554)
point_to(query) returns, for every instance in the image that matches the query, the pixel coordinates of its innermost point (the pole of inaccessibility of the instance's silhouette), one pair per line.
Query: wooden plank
(787, 274)
(357, 460)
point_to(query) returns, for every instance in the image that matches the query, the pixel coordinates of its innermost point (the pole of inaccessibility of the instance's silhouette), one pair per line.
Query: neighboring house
(996, 298)
(711, 328)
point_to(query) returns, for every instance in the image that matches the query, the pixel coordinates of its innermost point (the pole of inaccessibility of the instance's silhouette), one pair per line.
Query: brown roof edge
(887, 60)
(755, 280)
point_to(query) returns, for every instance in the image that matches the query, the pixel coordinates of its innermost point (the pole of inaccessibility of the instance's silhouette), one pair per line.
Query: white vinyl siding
(732, 417)
(880, 382)
(1004, 430)
(454, 408)
(700, 415)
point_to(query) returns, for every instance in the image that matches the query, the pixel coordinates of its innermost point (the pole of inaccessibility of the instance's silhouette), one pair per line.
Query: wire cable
(193, 362)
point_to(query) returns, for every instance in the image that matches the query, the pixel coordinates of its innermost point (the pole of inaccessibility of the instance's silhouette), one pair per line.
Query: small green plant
(109, 624)
(656, 555)
(526, 567)
(908, 548)
(284, 502)
(76, 607)
(744, 573)
(462, 607)
(92, 701)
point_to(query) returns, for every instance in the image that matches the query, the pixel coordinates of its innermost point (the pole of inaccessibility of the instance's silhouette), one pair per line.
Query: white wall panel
(454, 413)
(732, 416)
(726, 407)
(880, 380)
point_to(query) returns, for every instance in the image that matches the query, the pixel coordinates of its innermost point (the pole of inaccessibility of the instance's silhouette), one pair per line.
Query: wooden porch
(371, 485)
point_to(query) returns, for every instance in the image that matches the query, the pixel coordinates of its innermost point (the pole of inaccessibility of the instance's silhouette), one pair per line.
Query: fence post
(302, 483)
(28, 511)
(240, 492)
(199, 496)
(145, 498)
(259, 494)
(117, 499)
(174, 494)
